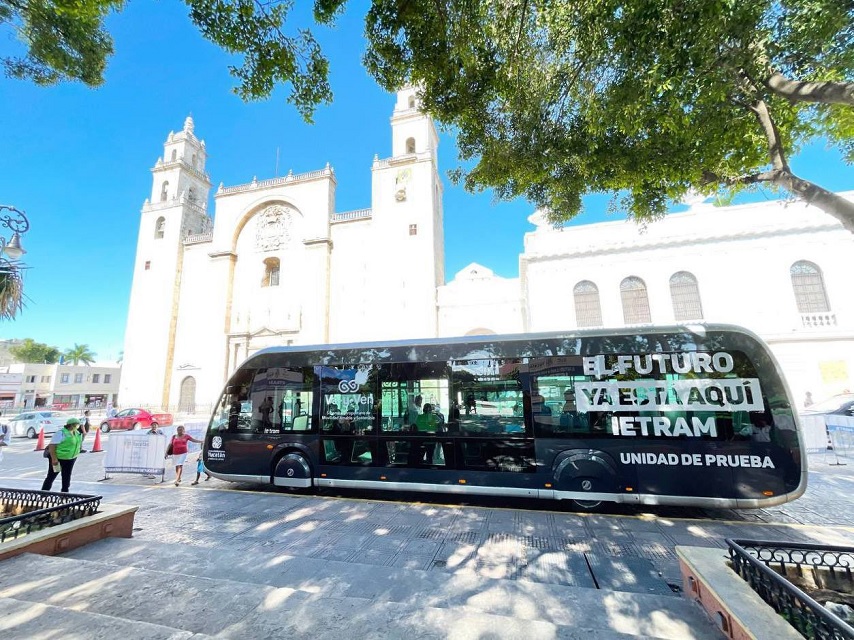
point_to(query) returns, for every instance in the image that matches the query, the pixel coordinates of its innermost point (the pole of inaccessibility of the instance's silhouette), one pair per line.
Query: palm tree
(11, 290)
(80, 353)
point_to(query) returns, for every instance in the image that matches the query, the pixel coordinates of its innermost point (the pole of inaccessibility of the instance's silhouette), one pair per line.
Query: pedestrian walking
(61, 453)
(178, 450)
(84, 429)
(200, 469)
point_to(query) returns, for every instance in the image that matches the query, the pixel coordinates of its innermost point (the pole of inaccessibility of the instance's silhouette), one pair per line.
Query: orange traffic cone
(96, 448)
(40, 443)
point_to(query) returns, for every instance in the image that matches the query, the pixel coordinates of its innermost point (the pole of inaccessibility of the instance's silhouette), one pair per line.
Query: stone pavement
(219, 560)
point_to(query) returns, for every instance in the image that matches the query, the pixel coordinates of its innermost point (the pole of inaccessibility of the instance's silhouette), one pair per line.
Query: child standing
(200, 469)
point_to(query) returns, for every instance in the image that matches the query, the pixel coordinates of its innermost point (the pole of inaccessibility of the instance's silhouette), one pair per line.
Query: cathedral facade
(278, 265)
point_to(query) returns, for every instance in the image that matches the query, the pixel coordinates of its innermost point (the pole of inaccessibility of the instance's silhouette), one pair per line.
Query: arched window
(187, 399)
(635, 301)
(191, 194)
(194, 161)
(271, 273)
(588, 311)
(174, 155)
(686, 296)
(159, 228)
(410, 145)
(808, 285)
(411, 102)
(164, 191)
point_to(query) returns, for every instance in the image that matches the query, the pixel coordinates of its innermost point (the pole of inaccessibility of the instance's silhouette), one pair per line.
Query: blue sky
(78, 162)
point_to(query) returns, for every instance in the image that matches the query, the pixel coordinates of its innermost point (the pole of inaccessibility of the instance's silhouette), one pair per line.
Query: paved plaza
(233, 561)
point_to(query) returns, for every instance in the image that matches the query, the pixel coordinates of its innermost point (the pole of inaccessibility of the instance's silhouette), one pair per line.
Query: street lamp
(17, 221)
(11, 283)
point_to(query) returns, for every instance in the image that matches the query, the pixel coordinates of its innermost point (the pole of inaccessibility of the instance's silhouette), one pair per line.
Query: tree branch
(822, 92)
(521, 28)
(840, 208)
(776, 153)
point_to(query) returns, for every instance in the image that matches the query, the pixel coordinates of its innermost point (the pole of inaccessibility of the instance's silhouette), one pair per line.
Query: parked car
(135, 419)
(841, 405)
(30, 423)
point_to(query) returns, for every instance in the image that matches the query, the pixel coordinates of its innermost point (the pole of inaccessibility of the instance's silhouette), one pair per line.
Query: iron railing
(753, 561)
(42, 509)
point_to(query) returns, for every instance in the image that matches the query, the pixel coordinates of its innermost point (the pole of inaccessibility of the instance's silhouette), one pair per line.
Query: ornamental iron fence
(35, 510)
(766, 567)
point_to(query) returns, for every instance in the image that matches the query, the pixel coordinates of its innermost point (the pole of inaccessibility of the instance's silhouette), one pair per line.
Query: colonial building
(281, 266)
(59, 386)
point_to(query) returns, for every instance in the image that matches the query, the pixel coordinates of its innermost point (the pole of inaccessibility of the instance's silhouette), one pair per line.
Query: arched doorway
(187, 400)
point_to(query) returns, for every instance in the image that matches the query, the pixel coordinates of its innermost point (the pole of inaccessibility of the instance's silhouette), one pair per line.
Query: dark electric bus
(683, 415)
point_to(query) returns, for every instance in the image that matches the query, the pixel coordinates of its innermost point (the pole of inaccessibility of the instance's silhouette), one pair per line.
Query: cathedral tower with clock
(279, 265)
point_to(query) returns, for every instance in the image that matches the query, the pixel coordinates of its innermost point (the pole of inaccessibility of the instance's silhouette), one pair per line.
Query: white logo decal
(290, 472)
(216, 442)
(348, 386)
(586, 485)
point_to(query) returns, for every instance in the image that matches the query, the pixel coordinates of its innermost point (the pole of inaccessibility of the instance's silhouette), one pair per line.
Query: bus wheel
(292, 471)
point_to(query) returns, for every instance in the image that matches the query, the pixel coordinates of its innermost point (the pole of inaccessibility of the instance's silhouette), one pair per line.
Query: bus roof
(698, 330)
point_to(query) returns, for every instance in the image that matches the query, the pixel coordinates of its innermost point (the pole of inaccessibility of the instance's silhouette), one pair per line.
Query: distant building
(60, 386)
(281, 266)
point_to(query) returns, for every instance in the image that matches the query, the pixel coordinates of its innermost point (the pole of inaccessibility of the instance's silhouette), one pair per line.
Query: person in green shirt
(427, 422)
(61, 453)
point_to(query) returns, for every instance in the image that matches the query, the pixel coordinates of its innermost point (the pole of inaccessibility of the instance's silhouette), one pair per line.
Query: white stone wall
(477, 302)
(741, 257)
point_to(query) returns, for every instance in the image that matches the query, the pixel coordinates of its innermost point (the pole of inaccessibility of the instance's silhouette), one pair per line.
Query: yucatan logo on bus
(216, 442)
(348, 386)
(586, 485)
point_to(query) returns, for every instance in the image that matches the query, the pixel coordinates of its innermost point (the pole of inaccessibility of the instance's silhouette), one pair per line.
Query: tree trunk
(827, 201)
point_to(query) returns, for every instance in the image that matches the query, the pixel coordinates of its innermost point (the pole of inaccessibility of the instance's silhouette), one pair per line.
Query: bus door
(413, 417)
(487, 420)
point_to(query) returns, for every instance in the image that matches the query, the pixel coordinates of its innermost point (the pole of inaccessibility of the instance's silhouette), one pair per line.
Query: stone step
(235, 593)
(25, 620)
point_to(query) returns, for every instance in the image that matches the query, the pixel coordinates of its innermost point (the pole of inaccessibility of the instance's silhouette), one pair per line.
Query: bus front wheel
(292, 471)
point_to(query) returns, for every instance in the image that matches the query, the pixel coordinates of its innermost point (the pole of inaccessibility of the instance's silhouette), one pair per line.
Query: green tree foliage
(34, 352)
(646, 99)
(67, 40)
(80, 353)
(649, 100)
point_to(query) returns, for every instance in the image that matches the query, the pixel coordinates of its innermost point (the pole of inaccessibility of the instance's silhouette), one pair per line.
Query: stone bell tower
(176, 209)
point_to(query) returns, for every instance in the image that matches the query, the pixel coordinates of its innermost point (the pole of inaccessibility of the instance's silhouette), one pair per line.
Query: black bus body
(683, 415)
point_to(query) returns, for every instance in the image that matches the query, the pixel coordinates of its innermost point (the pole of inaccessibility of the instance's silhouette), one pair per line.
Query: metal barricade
(841, 431)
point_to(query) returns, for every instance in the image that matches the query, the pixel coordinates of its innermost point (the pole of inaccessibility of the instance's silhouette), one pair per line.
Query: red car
(135, 419)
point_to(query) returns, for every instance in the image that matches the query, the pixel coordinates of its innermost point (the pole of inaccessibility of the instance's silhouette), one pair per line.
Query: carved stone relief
(274, 227)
